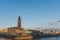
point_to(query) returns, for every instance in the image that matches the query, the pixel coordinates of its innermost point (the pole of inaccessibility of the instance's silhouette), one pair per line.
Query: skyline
(33, 13)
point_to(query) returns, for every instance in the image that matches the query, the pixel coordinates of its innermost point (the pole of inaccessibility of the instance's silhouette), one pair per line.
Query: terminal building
(19, 32)
(18, 29)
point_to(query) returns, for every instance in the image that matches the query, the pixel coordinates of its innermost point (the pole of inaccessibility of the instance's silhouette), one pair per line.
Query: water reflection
(49, 38)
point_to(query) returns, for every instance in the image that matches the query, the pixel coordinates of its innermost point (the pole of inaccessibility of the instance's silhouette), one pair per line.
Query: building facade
(17, 29)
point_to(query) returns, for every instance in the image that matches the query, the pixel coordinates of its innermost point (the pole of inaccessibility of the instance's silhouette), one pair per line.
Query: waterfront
(49, 38)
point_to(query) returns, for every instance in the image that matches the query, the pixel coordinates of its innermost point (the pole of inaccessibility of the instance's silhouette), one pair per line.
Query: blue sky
(34, 13)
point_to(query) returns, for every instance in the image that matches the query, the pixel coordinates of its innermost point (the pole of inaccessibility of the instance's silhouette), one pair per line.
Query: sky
(33, 13)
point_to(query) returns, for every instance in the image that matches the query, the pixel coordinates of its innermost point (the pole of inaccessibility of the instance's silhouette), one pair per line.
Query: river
(49, 38)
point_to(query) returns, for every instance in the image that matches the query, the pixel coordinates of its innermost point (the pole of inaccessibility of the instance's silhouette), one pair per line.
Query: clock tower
(19, 22)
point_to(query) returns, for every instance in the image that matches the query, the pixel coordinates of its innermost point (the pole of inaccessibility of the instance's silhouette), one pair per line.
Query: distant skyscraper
(19, 22)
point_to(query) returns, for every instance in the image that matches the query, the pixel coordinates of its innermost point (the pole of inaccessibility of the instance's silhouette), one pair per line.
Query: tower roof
(19, 18)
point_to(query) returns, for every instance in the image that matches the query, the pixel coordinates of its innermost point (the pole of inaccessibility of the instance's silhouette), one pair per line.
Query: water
(50, 38)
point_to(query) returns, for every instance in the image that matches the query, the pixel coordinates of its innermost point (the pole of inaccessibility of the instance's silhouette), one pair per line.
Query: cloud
(55, 24)
(58, 21)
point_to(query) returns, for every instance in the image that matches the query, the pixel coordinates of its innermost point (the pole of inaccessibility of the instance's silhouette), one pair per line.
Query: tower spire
(19, 22)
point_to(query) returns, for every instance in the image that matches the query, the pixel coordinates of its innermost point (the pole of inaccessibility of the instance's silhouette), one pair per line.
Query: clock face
(19, 21)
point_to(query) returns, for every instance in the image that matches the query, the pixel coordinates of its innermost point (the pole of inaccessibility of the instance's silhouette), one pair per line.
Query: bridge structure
(6, 36)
